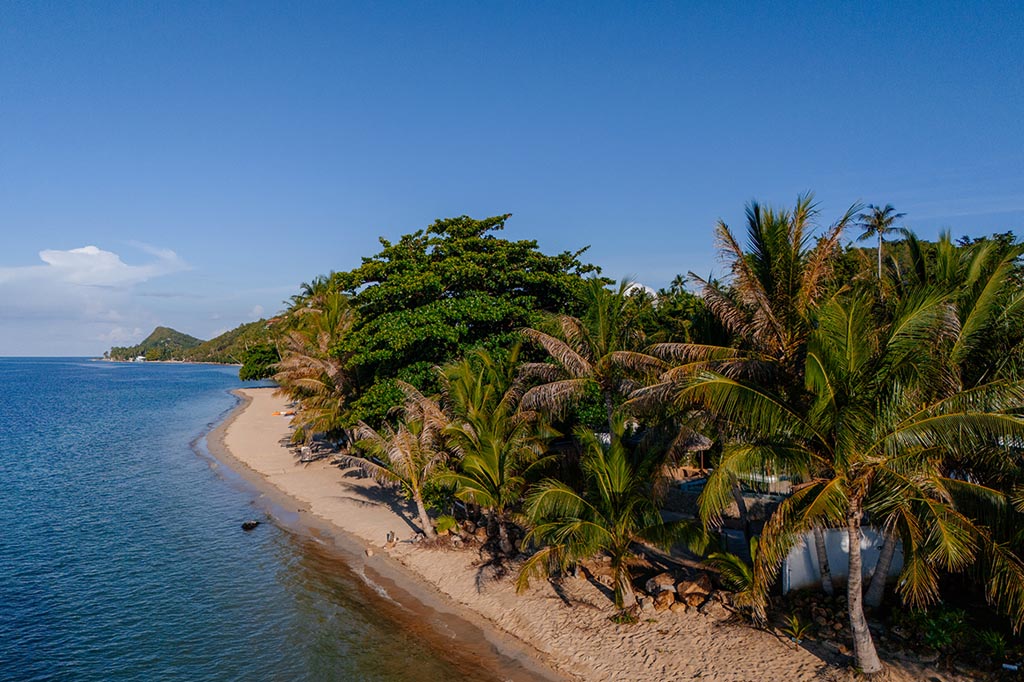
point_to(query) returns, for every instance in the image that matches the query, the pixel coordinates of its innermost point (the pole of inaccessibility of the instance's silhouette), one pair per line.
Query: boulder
(678, 607)
(664, 600)
(646, 604)
(481, 535)
(714, 609)
(663, 582)
(250, 524)
(693, 599)
(701, 585)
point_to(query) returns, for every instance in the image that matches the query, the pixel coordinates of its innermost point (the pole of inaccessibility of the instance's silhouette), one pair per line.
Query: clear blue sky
(218, 154)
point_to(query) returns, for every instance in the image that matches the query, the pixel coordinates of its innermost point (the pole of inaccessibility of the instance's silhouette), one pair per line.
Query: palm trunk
(876, 590)
(503, 542)
(826, 572)
(879, 256)
(625, 596)
(863, 646)
(741, 507)
(421, 509)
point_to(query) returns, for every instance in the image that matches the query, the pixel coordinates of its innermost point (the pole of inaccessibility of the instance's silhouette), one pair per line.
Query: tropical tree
(878, 222)
(868, 443)
(312, 371)
(766, 304)
(408, 455)
(435, 294)
(496, 445)
(599, 352)
(981, 281)
(616, 509)
(773, 286)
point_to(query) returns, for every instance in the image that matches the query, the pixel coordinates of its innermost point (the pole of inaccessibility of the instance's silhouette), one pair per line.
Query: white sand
(579, 641)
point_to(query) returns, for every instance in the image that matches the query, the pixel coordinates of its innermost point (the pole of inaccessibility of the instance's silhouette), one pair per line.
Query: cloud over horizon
(86, 295)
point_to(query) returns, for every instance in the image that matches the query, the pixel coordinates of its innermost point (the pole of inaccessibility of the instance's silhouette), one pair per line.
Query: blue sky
(218, 154)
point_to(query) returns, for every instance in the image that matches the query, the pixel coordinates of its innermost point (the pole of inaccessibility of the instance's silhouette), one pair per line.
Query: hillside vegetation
(169, 344)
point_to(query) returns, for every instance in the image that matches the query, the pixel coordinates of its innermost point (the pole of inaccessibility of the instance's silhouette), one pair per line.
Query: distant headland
(244, 345)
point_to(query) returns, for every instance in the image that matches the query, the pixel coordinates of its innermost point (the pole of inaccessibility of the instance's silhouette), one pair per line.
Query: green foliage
(616, 509)
(438, 293)
(993, 643)
(938, 628)
(258, 362)
(795, 628)
(445, 524)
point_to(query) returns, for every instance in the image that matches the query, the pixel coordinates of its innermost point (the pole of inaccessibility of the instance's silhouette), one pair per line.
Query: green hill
(169, 344)
(163, 344)
(230, 347)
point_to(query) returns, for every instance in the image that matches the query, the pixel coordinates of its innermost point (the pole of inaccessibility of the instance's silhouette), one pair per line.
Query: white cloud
(92, 266)
(79, 299)
(256, 312)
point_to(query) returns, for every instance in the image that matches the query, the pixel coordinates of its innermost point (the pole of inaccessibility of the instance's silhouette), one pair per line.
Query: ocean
(122, 555)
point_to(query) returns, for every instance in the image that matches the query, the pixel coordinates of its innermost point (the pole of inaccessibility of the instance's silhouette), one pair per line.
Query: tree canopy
(437, 293)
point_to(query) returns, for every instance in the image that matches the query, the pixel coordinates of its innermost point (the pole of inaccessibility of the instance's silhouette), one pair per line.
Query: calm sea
(122, 556)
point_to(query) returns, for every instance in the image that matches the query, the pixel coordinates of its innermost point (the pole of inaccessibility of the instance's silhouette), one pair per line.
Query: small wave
(379, 589)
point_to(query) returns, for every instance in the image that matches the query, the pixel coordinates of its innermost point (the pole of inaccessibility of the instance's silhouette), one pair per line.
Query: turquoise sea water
(122, 557)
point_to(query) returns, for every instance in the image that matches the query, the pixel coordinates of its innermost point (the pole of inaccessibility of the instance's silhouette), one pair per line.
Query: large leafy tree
(437, 293)
(869, 441)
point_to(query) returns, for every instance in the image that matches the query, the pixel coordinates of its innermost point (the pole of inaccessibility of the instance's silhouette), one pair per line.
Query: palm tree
(408, 455)
(980, 281)
(767, 303)
(772, 288)
(496, 444)
(599, 351)
(616, 510)
(878, 222)
(869, 444)
(311, 371)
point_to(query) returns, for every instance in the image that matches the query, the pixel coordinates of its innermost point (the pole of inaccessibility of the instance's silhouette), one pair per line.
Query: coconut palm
(616, 510)
(868, 443)
(310, 370)
(495, 443)
(408, 455)
(597, 352)
(772, 288)
(766, 304)
(878, 223)
(981, 283)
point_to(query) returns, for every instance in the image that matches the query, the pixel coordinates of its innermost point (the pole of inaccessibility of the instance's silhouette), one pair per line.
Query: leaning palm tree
(878, 223)
(597, 352)
(616, 510)
(868, 443)
(408, 455)
(495, 444)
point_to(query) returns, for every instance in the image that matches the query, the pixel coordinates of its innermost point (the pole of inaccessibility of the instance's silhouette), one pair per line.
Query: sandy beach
(568, 630)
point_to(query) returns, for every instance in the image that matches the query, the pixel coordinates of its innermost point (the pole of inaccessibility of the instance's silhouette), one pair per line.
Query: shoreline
(554, 633)
(440, 620)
